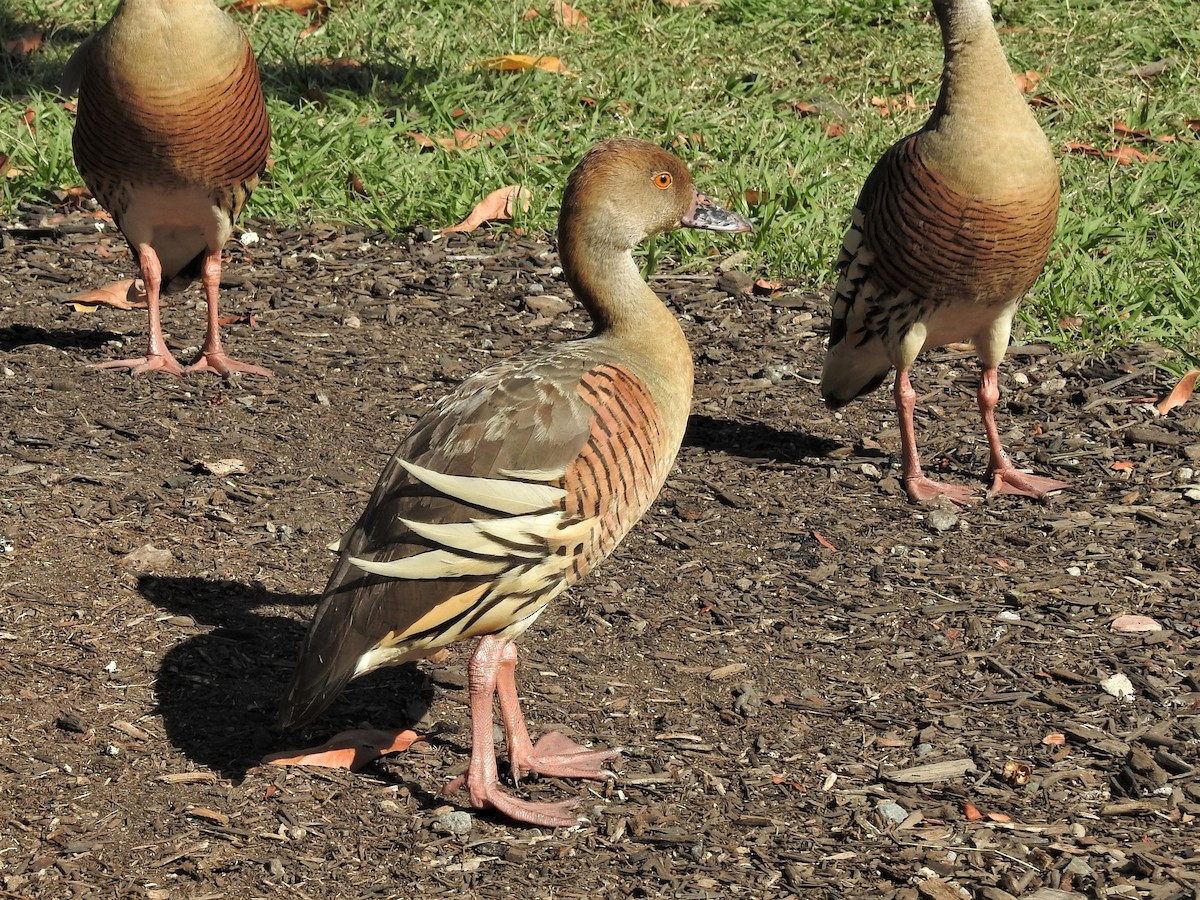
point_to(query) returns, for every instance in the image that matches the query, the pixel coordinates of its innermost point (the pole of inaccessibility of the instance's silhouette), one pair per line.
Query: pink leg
(157, 357)
(1005, 477)
(212, 356)
(482, 778)
(555, 754)
(916, 485)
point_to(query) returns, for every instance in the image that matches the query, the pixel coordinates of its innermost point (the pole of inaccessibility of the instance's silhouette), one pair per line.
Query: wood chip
(727, 671)
(946, 770)
(187, 778)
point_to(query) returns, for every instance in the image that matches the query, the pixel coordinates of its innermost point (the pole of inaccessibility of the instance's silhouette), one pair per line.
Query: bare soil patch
(820, 690)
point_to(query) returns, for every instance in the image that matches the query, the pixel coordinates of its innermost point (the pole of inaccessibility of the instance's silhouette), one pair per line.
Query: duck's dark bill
(706, 214)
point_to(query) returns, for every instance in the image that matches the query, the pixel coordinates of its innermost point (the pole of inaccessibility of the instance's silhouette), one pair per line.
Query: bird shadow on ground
(14, 337)
(218, 690)
(755, 440)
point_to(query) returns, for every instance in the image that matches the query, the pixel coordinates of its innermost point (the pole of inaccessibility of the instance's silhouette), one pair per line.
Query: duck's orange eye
(663, 180)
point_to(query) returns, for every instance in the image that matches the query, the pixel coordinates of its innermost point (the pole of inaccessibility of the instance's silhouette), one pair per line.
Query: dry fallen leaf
(823, 541)
(302, 7)
(569, 17)
(1054, 739)
(1141, 134)
(124, 294)
(1180, 394)
(1027, 80)
(496, 206)
(1123, 155)
(462, 139)
(971, 811)
(27, 40)
(805, 109)
(520, 62)
(835, 130)
(349, 750)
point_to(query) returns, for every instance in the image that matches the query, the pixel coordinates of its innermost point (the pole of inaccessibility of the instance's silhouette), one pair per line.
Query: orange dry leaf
(124, 294)
(1122, 465)
(805, 109)
(835, 130)
(999, 817)
(971, 810)
(766, 287)
(27, 118)
(895, 104)
(1180, 394)
(349, 750)
(1054, 739)
(529, 14)
(1141, 134)
(302, 7)
(823, 541)
(27, 40)
(496, 206)
(519, 62)
(1123, 155)
(1027, 80)
(569, 17)
(462, 139)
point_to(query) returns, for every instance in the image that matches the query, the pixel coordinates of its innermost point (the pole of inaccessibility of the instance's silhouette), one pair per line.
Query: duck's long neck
(629, 317)
(980, 109)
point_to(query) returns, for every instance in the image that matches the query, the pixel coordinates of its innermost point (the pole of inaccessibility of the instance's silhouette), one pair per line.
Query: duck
(520, 481)
(950, 231)
(171, 136)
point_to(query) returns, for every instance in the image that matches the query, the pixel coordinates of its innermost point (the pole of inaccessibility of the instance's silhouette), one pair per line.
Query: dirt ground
(821, 691)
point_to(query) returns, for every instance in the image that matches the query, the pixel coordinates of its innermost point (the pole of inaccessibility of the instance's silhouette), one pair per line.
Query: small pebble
(1193, 495)
(1008, 615)
(1119, 686)
(1074, 571)
(892, 811)
(940, 520)
(454, 822)
(870, 470)
(1184, 475)
(923, 750)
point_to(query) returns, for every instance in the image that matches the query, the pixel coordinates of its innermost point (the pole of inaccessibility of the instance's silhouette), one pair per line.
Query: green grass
(726, 73)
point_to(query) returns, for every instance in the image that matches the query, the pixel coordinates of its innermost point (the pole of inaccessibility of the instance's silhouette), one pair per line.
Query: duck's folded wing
(502, 495)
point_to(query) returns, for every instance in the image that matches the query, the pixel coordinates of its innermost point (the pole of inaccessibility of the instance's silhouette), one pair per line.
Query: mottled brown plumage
(950, 231)
(171, 136)
(522, 479)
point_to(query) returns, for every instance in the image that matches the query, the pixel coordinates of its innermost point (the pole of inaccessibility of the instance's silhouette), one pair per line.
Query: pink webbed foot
(220, 364)
(1008, 480)
(155, 362)
(557, 756)
(486, 793)
(923, 490)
